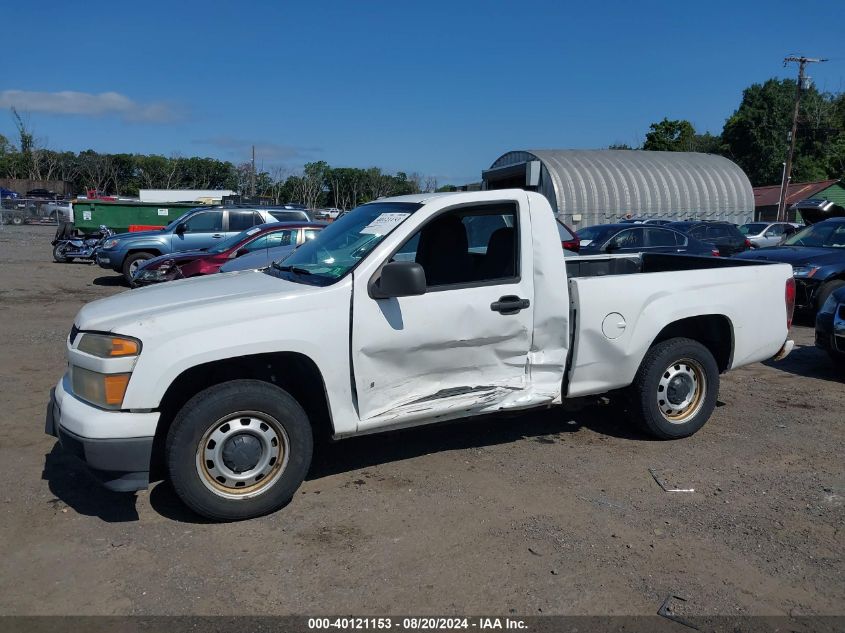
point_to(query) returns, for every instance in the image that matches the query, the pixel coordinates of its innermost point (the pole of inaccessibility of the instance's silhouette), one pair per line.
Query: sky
(438, 88)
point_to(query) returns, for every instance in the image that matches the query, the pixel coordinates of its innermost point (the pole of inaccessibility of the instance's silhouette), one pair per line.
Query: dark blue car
(639, 238)
(830, 327)
(817, 255)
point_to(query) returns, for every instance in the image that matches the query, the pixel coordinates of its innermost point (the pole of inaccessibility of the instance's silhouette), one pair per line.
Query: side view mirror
(180, 228)
(399, 279)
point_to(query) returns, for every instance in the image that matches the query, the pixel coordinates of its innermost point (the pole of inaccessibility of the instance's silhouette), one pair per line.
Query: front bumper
(121, 464)
(109, 260)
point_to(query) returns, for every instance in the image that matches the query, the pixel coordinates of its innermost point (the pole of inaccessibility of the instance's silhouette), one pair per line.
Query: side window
(718, 232)
(470, 244)
(775, 230)
(282, 238)
(660, 237)
(310, 234)
(241, 220)
(698, 232)
(208, 222)
(632, 238)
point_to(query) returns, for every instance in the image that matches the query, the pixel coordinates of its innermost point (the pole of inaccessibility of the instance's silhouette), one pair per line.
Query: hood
(797, 255)
(126, 236)
(182, 257)
(190, 302)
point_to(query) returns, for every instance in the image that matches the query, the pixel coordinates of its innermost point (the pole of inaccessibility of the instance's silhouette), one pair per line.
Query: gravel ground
(552, 512)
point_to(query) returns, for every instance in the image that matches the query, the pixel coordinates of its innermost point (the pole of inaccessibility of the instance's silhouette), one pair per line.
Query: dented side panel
(446, 354)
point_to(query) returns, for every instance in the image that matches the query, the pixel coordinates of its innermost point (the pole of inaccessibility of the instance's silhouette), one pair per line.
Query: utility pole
(787, 172)
(252, 176)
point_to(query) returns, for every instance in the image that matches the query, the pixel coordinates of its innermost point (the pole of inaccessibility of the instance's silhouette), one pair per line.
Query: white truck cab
(405, 311)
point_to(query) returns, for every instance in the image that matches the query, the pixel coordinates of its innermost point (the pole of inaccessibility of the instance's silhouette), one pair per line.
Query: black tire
(58, 253)
(826, 290)
(838, 360)
(134, 258)
(202, 419)
(674, 367)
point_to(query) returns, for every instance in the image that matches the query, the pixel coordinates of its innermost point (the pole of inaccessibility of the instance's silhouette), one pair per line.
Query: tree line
(316, 185)
(756, 135)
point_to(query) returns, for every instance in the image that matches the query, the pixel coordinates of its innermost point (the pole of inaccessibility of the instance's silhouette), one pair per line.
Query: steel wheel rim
(133, 266)
(680, 390)
(216, 471)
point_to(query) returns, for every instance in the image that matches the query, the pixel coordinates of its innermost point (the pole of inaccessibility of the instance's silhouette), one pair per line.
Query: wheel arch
(714, 331)
(155, 250)
(294, 372)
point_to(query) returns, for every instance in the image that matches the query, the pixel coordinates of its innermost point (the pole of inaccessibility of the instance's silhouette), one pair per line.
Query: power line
(803, 84)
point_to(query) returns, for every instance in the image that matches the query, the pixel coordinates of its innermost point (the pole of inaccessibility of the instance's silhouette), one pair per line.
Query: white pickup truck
(406, 311)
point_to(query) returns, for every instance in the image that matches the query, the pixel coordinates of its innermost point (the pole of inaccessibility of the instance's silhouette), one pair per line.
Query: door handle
(509, 304)
(217, 236)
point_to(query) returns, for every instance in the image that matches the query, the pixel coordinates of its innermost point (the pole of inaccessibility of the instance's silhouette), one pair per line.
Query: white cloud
(87, 104)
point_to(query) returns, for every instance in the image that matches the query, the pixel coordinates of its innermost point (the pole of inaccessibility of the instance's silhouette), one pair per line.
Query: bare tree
(278, 175)
(96, 169)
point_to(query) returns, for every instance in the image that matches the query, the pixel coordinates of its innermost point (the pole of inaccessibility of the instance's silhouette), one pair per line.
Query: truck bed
(615, 320)
(602, 265)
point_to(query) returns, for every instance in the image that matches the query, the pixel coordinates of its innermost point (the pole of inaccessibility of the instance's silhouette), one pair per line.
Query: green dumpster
(124, 215)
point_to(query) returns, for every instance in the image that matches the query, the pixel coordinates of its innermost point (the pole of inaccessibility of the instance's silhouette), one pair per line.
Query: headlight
(104, 390)
(110, 244)
(804, 271)
(167, 271)
(106, 346)
(829, 306)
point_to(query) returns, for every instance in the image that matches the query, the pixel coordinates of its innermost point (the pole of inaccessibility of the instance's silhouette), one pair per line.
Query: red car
(207, 261)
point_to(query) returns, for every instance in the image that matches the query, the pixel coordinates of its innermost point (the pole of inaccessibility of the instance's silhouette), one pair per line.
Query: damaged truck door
(463, 344)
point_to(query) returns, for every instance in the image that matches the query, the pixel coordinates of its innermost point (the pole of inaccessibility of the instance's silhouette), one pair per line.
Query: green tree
(670, 136)
(756, 136)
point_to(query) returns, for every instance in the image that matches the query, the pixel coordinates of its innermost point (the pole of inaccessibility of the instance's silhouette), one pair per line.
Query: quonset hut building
(587, 187)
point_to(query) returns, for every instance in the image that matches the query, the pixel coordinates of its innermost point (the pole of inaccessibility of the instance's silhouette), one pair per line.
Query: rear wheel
(131, 263)
(17, 220)
(675, 389)
(239, 450)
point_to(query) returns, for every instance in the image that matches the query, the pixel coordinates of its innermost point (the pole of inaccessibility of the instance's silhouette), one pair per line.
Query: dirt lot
(549, 512)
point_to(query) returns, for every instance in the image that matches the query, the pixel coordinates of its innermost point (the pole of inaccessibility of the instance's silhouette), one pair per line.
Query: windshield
(753, 228)
(595, 233)
(824, 234)
(339, 247)
(233, 241)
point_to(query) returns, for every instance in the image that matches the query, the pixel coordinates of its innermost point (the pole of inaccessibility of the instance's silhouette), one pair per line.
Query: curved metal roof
(603, 185)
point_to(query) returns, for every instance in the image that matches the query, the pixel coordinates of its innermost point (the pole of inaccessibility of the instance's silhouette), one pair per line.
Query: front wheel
(675, 389)
(59, 253)
(131, 264)
(238, 450)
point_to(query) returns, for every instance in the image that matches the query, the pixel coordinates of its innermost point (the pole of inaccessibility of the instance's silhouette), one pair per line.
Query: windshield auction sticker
(384, 223)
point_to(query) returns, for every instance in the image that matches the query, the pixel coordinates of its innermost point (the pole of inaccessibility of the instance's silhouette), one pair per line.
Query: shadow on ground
(72, 485)
(111, 281)
(545, 427)
(809, 362)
